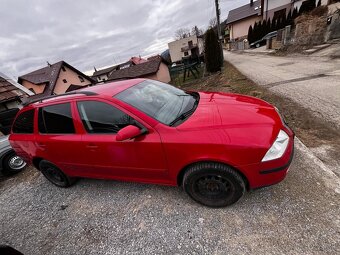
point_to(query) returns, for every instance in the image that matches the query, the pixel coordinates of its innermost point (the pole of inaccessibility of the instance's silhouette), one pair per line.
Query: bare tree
(196, 31)
(213, 22)
(182, 33)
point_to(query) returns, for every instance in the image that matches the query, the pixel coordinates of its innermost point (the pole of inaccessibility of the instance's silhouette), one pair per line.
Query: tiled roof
(104, 71)
(137, 60)
(8, 91)
(244, 11)
(49, 75)
(43, 75)
(140, 70)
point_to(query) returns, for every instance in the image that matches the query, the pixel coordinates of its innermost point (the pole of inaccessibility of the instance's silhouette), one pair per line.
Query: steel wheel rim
(213, 187)
(16, 163)
(54, 175)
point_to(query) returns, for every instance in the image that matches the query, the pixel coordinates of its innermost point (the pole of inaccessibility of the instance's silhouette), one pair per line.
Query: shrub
(213, 58)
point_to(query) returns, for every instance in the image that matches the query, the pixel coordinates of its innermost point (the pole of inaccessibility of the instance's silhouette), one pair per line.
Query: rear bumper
(271, 172)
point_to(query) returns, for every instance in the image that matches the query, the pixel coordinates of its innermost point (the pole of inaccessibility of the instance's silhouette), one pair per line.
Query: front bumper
(270, 172)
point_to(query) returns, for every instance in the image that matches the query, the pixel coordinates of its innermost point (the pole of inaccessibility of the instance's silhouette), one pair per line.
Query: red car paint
(232, 129)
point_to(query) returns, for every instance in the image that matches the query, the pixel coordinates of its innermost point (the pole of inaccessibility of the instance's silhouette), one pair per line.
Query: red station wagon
(214, 145)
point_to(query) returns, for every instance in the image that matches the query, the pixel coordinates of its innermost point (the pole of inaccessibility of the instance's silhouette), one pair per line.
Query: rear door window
(100, 117)
(24, 123)
(56, 119)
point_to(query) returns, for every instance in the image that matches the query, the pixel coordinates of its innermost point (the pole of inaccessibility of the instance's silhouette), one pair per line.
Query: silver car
(10, 163)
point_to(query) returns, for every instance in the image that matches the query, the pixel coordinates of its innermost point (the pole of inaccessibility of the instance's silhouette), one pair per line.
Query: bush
(319, 11)
(213, 58)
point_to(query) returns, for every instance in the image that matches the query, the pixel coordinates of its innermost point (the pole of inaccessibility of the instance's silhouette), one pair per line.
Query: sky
(88, 33)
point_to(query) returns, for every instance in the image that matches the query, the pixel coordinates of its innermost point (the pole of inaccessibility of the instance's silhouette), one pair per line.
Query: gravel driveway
(298, 216)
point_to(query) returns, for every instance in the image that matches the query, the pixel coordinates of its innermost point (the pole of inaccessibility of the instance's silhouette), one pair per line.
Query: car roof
(108, 89)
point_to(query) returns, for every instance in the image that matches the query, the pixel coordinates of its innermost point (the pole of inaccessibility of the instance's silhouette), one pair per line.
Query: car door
(141, 158)
(58, 140)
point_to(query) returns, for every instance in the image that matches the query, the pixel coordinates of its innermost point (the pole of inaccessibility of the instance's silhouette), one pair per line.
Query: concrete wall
(71, 77)
(240, 28)
(175, 48)
(37, 88)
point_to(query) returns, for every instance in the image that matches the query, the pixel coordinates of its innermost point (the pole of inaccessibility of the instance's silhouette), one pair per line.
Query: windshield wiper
(186, 114)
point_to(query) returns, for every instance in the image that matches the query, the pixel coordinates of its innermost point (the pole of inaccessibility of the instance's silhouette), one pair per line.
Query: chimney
(251, 2)
(48, 64)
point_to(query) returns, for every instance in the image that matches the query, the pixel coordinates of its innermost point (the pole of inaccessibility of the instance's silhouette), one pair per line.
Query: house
(11, 96)
(297, 3)
(54, 79)
(152, 68)
(103, 74)
(188, 46)
(273, 9)
(11, 93)
(240, 19)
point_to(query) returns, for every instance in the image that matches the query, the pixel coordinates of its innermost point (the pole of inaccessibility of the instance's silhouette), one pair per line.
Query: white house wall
(175, 48)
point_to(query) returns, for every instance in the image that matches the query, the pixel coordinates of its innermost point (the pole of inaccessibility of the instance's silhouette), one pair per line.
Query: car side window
(56, 119)
(24, 123)
(99, 117)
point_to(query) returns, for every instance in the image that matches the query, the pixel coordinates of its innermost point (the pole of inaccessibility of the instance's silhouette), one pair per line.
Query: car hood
(242, 116)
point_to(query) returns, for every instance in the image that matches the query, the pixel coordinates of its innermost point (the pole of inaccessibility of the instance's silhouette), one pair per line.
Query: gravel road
(301, 215)
(313, 82)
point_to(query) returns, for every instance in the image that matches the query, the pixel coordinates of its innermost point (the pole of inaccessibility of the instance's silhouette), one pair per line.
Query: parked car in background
(10, 163)
(215, 145)
(263, 40)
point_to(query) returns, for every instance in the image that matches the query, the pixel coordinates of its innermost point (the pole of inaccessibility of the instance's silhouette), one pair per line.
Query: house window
(279, 14)
(51, 117)
(186, 53)
(63, 68)
(81, 78)
(64, 80)
(190, 44)
(99, 117)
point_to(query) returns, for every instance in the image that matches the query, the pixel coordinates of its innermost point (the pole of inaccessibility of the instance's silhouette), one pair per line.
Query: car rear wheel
(213, 184)
(55, 175)
(257, 45)
(12, 164)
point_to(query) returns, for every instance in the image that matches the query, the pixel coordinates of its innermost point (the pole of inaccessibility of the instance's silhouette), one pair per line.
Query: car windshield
(163, 102)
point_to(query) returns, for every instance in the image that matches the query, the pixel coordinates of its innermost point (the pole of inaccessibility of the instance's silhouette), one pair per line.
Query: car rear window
(24, 123)
(56, 119)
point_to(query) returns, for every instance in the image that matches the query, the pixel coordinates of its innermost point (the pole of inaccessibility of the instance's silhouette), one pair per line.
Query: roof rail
(87, 93)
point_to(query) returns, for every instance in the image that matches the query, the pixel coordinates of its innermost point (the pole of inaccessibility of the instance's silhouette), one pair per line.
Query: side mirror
(128, 132)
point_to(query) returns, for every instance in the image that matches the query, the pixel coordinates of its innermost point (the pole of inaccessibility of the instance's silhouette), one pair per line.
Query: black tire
(257, 45)
(213, 184)
(55, 175)
(12, 164)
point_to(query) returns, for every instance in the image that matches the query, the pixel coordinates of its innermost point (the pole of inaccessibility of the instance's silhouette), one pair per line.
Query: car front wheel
(12, 164)
(55, 175)
(213, 184)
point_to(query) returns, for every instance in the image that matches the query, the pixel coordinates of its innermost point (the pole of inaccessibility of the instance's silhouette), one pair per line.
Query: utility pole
(218, 12)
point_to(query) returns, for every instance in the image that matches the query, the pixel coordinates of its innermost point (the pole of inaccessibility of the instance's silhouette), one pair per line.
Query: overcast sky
(87, 33)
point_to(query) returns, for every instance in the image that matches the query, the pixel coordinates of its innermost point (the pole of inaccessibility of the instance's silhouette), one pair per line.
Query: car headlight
(278, 148)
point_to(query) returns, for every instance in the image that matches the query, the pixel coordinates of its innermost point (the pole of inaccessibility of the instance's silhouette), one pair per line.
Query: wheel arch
(181, 173)
(36, 162)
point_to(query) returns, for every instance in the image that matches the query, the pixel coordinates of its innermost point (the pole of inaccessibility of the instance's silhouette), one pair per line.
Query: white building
(188, 46)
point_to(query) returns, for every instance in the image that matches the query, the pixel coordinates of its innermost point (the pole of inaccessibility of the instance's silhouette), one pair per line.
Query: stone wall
(310, 30)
